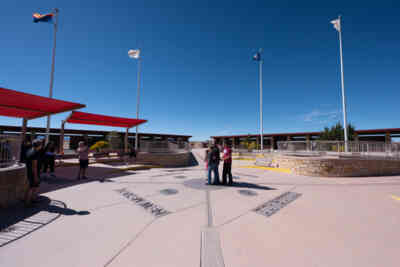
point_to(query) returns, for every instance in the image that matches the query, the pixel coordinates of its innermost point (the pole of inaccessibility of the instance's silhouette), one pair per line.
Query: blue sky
(198, 76)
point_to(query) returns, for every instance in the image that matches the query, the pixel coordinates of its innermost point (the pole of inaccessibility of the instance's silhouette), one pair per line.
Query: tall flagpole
(261, 102)
(137, 106)
(343, 95)
(55, 12)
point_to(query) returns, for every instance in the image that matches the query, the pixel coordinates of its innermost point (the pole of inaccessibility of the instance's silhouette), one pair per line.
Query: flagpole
(261, 103)
(343, 95)
(137, 106)
(55, 12)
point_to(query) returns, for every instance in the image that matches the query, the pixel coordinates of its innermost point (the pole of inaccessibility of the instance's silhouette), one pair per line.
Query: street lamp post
(136, 55)
(55, 12)
(257, 57)
(337, 24)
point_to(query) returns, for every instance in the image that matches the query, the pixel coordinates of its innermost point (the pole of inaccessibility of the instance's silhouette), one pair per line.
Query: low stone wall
(13, 185)
(167, 159)
(332, 166)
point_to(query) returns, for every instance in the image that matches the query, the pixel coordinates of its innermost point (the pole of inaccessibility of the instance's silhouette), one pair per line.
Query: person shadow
(250, 186)
(32, 218)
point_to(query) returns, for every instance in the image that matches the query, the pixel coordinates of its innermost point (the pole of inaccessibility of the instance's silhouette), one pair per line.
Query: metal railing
(361, 148)
(9, 150)
(164, 147)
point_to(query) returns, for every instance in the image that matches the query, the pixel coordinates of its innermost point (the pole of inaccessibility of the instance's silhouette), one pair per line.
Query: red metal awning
(96, 119)
(22, 105)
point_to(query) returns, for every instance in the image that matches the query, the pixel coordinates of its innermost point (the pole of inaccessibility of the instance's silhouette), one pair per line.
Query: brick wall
(167, 159)
(13, 185)
(332, 167)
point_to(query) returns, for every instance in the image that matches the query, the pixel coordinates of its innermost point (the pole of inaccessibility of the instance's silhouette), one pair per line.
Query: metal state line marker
(210, 247)
(273, 206)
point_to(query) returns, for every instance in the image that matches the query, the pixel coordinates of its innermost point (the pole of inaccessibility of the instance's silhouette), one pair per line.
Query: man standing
(32, 172)
(213, 163)
(227, 170)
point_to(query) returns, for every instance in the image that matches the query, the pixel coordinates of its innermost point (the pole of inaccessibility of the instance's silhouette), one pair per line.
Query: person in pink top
(227, 170)
(83, 153)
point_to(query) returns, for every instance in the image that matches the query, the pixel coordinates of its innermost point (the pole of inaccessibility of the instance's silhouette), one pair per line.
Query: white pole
(137, 106)
(343, 95)
(52, 70)
(261, 106)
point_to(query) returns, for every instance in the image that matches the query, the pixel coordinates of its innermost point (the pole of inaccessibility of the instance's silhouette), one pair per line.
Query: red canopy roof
(96, 119)
(22, 105)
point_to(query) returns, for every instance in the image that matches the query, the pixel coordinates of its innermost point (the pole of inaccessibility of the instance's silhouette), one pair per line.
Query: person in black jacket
(49, 158)
(32, 172)
(25, 146)
(213, 163)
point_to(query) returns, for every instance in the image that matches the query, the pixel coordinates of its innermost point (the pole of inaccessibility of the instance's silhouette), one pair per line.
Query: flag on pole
(257, 56)
(336, 24)
(42, 17)
(134, 53)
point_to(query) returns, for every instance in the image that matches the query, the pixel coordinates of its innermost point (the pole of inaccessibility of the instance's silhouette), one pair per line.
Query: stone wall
(332, 166)
(13, 185)
(167, 159)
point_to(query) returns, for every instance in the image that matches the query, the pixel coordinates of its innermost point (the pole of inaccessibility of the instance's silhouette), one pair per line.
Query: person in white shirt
(83, 152)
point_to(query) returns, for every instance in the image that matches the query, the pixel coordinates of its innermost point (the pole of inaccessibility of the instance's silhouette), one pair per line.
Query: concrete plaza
(169, 217)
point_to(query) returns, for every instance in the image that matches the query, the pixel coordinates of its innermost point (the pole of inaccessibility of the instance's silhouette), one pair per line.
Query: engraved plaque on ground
(154, 209)
(271, 207)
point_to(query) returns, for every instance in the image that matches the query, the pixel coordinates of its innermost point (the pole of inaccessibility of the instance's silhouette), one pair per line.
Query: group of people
(46, 155)
(213, 159)
(40, 158)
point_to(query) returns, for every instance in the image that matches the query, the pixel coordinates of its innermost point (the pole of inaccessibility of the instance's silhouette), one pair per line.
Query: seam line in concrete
(129, 243)
(109, 205)
(190, 207)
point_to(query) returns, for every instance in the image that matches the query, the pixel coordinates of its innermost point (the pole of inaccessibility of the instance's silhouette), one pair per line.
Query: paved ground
(168, 217)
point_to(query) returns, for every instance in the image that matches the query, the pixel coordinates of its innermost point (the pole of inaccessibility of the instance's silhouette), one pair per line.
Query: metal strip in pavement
(211, 252)
(210, 249)
(209, 211)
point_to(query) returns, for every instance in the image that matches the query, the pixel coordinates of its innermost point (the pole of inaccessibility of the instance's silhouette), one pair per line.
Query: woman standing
(83, 152)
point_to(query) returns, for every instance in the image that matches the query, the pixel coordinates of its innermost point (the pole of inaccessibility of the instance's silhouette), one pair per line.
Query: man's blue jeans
(213, 167)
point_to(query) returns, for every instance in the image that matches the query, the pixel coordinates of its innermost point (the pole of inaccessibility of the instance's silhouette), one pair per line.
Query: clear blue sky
(198, 75)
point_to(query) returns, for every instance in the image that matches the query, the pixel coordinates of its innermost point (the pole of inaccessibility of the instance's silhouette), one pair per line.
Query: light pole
(257, 57)
(337, 24)
(55, 12)
(136, 55)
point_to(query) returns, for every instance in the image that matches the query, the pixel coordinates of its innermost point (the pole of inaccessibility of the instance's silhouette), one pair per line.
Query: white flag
(134, 53)
(336, 24)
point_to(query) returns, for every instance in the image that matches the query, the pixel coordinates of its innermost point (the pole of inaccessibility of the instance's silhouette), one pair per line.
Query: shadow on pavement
(19, 221)
(250, 186)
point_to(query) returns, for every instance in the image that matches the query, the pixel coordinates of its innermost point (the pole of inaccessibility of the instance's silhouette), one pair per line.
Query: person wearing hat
(32, 172)
(83, 154)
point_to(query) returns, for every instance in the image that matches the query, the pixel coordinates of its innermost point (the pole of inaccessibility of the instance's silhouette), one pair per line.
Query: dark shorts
(32, 182)
(83, 163)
